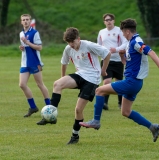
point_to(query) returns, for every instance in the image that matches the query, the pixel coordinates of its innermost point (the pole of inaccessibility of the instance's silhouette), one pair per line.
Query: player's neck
(110, 28)
(26, 28)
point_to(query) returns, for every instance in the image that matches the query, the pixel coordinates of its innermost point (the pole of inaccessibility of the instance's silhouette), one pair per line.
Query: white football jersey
(112, 39)
(86, 60)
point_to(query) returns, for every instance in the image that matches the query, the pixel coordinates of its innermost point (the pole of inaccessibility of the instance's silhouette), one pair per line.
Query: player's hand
(103, 73)
(24, 40)
(122, 52)
(21, 48)
(112, 50)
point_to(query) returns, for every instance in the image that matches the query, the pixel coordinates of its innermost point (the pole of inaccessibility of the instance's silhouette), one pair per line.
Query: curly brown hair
(128, 24)
(70, 34)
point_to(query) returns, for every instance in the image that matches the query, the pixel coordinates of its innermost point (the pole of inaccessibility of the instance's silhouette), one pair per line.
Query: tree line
(148, 11)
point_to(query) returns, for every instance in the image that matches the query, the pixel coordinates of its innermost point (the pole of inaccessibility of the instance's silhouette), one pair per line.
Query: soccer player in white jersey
(112, 38)
(136, 69)
(84, 55)
(31, 63)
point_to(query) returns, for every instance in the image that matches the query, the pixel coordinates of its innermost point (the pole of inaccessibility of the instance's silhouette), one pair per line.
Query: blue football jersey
(136, 58)
(30, 56)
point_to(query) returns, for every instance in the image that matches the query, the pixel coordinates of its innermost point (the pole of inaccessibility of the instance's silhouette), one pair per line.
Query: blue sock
(136, 117)
(47, 101)
(31, 103)
(98, 106)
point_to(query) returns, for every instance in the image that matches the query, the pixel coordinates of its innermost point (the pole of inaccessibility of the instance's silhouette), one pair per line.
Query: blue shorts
(128, 87)
(31, 70)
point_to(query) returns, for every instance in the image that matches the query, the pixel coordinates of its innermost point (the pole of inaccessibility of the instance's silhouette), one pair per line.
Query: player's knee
(22, 86)
(57, 86)
(78, 111)
(99, 92)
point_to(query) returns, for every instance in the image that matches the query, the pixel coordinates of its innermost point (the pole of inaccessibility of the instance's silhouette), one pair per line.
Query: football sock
(98, 106)
(136, 117)
(119, 99)
(55, 99)
(47, 101)
(106, 99)
(31, 103)
(76, 127)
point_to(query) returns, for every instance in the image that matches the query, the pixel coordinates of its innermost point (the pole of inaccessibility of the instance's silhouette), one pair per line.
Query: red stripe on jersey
(71, 60)
(118, 40)
(90, 59)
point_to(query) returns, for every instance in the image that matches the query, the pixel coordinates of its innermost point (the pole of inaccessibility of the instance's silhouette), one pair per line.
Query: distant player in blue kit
(31, 63)
(136, 69)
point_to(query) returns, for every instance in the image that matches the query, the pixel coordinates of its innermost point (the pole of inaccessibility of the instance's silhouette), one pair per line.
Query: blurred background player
(112, 38)
(84, 55)
(31, 63)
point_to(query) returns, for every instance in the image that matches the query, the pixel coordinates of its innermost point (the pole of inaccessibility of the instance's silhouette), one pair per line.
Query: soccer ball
(49, 113)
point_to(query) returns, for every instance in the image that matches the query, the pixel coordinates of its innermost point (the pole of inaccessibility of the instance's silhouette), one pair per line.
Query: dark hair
(110, 15)
(128, 24)
(70, 34)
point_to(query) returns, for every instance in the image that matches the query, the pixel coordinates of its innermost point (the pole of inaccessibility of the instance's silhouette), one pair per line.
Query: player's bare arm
(154, 57)
(122, 53)
(105, 64)
(63, 70)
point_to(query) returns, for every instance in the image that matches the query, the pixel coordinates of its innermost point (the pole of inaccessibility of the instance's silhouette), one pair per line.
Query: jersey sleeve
(37, 39)
(65, 57)
(98, 50)
(124, 42)
(142, 48)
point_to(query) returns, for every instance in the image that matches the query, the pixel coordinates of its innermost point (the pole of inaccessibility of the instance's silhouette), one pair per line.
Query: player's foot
(119, 106)
(91, 124)
(31, 111)
(154, 128)
(44, 122)
(73, 140)
(105, 107)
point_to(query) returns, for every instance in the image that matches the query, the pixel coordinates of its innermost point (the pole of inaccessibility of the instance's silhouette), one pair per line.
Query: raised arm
(154, 57)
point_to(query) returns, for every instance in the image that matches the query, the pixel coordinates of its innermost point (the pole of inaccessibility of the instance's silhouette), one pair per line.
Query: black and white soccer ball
(49, 113)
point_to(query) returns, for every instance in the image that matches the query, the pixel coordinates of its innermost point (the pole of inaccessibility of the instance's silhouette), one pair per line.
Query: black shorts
(87, 89)
(114, 70)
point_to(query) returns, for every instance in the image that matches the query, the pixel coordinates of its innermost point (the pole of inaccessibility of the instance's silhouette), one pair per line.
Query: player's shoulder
(86, 43)
(67, 48)
(117, 28)
(103, 30)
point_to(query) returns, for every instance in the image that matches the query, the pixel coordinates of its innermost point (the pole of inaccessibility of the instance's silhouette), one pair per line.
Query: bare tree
(4, 12)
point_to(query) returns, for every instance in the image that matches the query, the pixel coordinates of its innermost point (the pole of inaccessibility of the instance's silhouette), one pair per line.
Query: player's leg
(60, 84)
(118, 75)
(120, 87)
(138, 118)
(87, 93)
(106, 98)
(98, 106)
(106, 80)
(39, 81)
(81, 103)
(23, 80)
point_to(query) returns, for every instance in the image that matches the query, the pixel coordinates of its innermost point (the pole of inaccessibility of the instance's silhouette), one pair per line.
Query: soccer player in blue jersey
(136, 69)
(31, 63)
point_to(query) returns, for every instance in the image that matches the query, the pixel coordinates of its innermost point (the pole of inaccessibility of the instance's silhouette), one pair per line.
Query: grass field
(117, 139)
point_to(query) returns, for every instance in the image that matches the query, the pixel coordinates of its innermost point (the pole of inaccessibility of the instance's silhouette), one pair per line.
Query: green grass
(118, 138)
